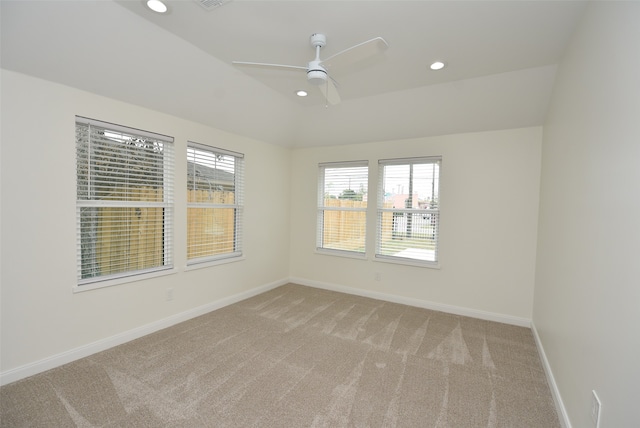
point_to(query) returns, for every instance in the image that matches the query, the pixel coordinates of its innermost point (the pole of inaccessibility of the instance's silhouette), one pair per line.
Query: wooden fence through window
(345, 230)
(210, 231)
(132, 238)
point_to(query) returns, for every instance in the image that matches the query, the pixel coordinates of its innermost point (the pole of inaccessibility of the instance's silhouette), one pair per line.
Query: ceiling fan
(317, 69)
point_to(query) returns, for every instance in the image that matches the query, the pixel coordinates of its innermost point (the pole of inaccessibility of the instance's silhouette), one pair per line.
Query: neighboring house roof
(210, 178)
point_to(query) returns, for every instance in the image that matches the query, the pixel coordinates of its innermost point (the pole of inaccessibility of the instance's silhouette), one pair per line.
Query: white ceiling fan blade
(356, 53)
(330, 92)
(261, 64)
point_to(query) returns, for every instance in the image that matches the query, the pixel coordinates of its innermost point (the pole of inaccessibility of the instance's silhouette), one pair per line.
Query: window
(215, 185)
(342, 207)
(124, 201)
(408, 210)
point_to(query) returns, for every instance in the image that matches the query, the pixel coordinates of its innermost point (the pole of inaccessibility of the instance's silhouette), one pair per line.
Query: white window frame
(196, 151)
(88, 199)
(322, 208)
(384, 212)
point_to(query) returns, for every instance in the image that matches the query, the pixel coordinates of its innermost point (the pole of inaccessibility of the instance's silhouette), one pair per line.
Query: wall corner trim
(555, 392)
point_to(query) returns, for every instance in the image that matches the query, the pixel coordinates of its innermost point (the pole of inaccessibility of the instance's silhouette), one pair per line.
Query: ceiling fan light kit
(317, 69)
(316, 75)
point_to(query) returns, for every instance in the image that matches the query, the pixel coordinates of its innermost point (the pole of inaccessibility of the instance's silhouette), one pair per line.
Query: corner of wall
(555, 391)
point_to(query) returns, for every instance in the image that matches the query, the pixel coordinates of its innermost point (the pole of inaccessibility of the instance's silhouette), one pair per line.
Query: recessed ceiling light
(438, 65)
(157, 6)
(302, 93)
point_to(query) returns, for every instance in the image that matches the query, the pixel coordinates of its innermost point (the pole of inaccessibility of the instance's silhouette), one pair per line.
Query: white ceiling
(501, 61)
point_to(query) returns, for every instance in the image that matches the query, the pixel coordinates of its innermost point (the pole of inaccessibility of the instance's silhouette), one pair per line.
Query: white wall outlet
(377, 276)
(169, 294)
(596, 408)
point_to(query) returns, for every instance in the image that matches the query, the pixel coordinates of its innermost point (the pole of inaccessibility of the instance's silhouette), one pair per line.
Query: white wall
(587, 293)
(41, 316)
(489, 207)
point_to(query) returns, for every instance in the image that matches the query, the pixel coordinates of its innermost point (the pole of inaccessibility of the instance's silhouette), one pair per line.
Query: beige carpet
(299, 357)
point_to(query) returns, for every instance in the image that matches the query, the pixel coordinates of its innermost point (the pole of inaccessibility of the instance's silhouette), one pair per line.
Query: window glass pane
(116, 166)
(124, 201)
(211, 231)
(346, 183)
(414, 186)
(210, 172)
(408, 235)
(342, 207)
(117, 240)
(408, 213)
(214, 196)
(344, 230)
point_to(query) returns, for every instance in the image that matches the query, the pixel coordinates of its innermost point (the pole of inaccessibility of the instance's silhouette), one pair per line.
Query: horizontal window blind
(124, 201)
(408, 209)
(342, 207)
(215, 191)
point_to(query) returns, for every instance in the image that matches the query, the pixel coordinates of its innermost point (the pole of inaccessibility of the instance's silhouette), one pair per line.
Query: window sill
(406, 261)
(339, 253)
(79, 288)
(211, 263)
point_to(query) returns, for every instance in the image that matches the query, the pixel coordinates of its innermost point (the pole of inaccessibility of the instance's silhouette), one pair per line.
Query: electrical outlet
(377, 276)
(169, 294)
(596, 407)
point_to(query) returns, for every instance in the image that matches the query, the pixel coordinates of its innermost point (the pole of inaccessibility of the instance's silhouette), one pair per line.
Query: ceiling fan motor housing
(316, 74)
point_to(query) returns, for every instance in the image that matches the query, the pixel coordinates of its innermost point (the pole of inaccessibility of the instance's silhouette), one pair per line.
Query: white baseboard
(555, 392)
(109, 342)
(441, 307)
(103, 344)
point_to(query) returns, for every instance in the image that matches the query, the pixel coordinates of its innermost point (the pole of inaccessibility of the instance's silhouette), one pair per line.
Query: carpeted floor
(299, 357)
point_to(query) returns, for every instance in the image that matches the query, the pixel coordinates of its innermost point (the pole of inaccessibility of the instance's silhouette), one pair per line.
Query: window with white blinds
(409, 210)
(124, 208)
(342, 207)
(215, 188)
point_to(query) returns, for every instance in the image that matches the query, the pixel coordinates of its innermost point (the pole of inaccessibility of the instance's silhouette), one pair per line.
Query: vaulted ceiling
(501, 59)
